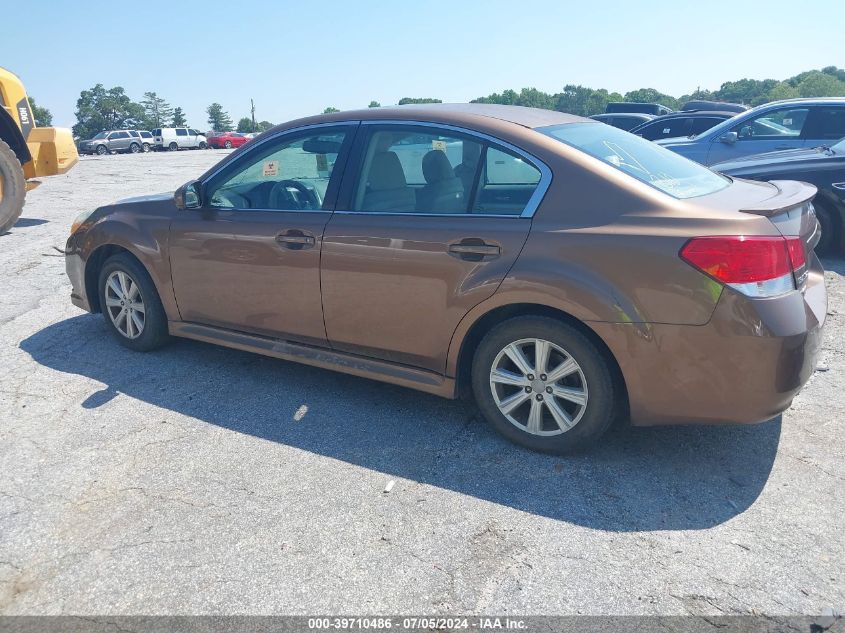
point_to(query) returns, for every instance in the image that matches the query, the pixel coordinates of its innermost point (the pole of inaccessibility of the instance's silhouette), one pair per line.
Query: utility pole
(252, 110)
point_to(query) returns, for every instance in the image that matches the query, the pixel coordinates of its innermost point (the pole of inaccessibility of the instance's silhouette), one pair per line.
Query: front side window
(290, 175)
(702, 124)
(193, 132)
(827, 124)
(781, 124)
(408, 169)
(646, 161)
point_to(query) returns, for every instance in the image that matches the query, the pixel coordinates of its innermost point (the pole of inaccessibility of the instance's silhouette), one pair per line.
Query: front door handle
(295, 240)
(474, 249)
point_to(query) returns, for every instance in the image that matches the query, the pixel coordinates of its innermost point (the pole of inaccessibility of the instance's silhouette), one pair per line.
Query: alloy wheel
(539, 387)
(125, 305)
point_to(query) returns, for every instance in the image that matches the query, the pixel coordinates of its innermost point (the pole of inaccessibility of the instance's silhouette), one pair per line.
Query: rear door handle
(295, 240)
(474, 249)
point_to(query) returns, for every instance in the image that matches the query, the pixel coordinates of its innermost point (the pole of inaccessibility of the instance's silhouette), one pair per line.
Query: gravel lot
(189, 481)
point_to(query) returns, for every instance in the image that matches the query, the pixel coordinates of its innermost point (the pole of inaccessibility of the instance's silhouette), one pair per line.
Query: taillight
(753, 265)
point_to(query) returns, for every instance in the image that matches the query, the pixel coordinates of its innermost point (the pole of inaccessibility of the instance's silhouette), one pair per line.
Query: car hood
(675, 141)
(759, 162)
(154, 197)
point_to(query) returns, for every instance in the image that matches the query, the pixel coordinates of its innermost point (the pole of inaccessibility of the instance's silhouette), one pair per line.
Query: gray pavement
(203, 480)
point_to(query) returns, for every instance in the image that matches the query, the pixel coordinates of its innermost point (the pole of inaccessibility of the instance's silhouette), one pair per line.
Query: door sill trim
(374, 369)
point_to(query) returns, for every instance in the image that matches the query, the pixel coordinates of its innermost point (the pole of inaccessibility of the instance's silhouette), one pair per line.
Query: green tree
(374, 104)
(650, 95)
(407, 100)
(244, 125)
(584, 101)
(819, 84)
(330, 110)
(263, 126)
(43, 117)
(99, 109)
(178, 119)
(218, 119)
(157, 112)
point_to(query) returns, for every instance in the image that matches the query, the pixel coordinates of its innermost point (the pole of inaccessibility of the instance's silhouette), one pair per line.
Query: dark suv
(680, 124)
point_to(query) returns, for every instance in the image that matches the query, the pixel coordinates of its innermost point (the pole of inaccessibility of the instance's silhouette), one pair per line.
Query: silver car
(779, 125)
(113, 142)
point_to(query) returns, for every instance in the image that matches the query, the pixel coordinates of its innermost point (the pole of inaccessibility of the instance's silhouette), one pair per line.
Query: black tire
(146, 147)
(14, 188)
(602, 405)
(173, 147)
(203, 145)
(228, 144)
(102, 150)
(154, 333)
(829, 225)
(134, 148)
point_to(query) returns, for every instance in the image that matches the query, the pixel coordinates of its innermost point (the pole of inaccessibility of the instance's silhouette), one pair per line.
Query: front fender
(142, 229)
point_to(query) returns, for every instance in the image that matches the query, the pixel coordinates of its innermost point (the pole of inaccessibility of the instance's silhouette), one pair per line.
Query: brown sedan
(569, 273)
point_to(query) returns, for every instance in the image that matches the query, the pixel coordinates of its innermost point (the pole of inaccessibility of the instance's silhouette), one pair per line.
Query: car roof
(459, 113)
(645, 116)
(696, 113)
(808, 100)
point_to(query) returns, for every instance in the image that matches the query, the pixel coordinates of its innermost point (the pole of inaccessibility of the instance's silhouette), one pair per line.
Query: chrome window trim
(530, 207)
(273, 137)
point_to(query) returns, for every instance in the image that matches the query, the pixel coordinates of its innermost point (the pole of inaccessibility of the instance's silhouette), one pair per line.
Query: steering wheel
(279, 198)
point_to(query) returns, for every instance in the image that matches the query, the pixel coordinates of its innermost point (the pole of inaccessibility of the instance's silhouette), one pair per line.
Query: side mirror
(187, 196)
(729, 138)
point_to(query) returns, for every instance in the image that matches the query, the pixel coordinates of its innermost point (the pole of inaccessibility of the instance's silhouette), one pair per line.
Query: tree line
(99, 109)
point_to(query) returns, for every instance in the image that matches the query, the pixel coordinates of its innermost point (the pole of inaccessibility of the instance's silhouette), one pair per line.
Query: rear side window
(702, 124)
(134, 133)
(181, 131)
(157, 131)
(626, 122)
(826, 124)
(665, 129)
(408, 169)
(641, 159)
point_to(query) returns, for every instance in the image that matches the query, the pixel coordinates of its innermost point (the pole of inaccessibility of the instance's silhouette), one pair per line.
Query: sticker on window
(787, 121)
(271, 168)
(438, 145)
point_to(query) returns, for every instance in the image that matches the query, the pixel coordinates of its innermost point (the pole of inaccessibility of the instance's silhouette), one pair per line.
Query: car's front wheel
(131, 305)
(134, 148)
(173, 147)
(146, 147)
(228, 144)
(203, 145)
(543, 384)
(102, 150)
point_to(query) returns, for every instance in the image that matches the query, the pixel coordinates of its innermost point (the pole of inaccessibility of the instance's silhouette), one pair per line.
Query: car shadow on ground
(23, 223)
(642, 479)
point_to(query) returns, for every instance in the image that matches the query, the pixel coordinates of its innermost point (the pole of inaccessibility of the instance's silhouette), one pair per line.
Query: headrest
(386, 172)
(436, 167)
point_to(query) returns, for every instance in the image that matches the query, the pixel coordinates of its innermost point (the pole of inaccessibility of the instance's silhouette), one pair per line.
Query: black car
(822, 166)
(624, 120)
(680, 124)
(718, 106)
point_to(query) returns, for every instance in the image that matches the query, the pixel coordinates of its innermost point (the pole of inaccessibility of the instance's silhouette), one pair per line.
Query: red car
(227, 140)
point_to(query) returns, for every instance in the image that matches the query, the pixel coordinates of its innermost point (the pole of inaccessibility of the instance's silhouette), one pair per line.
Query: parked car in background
(147, 140)
(789, 124)
(823, 166)
(713, 106)
(226, 140)
(625, 120)
(112, 142)
(680, 124)
(498, 248)
(176, 138)
(633, 106)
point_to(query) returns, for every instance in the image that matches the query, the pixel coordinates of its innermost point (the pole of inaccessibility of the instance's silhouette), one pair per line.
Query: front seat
(443, 191)
(387, 189)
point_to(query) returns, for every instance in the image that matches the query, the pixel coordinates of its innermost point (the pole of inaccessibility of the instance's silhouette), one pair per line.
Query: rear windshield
(646, 161)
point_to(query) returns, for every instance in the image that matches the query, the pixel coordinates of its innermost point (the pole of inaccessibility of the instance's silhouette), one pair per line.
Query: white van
(174, 138)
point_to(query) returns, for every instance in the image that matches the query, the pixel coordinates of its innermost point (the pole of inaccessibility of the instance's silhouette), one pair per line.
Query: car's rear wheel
(829, 228)
(146, 147)
(173, 147)
(131, 305)
(102, 150)
(543, 384)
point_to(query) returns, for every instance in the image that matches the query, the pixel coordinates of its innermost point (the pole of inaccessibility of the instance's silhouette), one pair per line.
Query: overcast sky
(296, 58)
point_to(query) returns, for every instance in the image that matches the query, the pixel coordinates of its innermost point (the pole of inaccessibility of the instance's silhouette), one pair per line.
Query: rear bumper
(744, 366)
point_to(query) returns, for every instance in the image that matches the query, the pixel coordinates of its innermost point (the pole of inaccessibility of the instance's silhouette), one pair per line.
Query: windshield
(642, 159)
(100, 135)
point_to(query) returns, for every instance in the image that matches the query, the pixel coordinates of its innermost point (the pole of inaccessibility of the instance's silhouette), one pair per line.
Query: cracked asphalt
(200, 480)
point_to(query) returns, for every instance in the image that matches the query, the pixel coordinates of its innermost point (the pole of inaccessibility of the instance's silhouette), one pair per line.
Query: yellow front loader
(26, 151)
